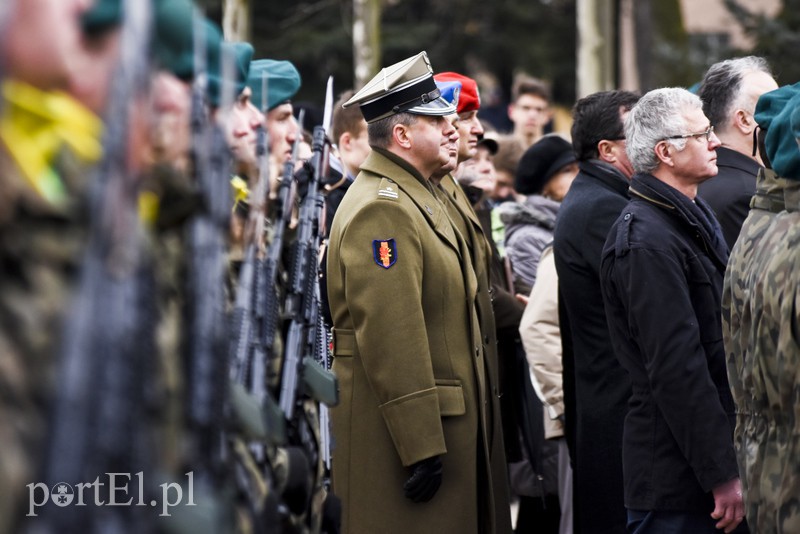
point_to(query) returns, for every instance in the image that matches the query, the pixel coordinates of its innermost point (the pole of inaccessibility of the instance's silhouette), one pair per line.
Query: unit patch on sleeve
(385, 252)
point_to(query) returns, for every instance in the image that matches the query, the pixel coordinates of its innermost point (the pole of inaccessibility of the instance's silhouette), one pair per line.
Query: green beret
(212, 41)
(172, 43)
(795, 121)
(102, 16)
(239, 56)
(173, 37)
(283, 82)
(773, 113)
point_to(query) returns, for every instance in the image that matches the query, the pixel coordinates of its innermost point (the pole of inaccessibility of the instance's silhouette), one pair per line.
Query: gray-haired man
(661, 275)
(729, 91)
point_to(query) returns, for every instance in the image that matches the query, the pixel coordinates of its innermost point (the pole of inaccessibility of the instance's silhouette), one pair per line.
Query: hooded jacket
(529, 229)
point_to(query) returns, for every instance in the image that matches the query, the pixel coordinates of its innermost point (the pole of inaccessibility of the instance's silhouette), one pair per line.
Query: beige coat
(408, 357)
(541, 337)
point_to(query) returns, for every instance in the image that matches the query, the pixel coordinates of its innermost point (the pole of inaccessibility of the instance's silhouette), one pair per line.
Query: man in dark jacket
(661, 274)
(596, 388)
(730, 90)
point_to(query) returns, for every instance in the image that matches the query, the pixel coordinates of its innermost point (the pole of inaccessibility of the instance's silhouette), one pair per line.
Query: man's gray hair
(658, 114)
(721, 89)
(380, 131)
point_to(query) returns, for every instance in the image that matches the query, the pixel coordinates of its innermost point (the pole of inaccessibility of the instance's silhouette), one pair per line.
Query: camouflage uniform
(763, 354)
(176, 202)
(41, 244)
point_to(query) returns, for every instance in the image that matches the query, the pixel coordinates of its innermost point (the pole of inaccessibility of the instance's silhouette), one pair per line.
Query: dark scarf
(697, 215)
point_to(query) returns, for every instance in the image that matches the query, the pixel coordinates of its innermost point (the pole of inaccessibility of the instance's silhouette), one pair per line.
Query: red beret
(469, 100)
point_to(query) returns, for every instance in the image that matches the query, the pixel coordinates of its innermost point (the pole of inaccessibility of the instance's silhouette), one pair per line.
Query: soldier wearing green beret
(759, 323)
(169, 201)
(282, 82)
(412, 430)
(46, 140)
(273, 84)
(241, 120)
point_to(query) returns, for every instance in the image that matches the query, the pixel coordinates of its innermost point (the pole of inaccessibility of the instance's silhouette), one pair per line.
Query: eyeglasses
(707, 134)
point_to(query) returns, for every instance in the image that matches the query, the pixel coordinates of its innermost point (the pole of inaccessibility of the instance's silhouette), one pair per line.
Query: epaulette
(388, 189)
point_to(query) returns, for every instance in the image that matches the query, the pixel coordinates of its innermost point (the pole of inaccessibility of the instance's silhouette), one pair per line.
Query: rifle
(257, 313)
(206, 328)
(258, 360)
(254, 406)
(302, 300)
(271, 317)
(306, 339)
(109, 334)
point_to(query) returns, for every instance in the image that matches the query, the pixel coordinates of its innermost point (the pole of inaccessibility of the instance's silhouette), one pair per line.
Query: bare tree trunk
(366, 40)
(596, 46)
(628, 67)
(236, 20)
(643, 15)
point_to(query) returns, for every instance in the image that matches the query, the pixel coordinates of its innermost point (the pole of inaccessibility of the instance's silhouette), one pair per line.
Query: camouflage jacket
(41, 246)
(759, 326)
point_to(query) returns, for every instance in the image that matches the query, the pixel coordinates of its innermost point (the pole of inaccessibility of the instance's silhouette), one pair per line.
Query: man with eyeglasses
(661, 274)
(729, 91)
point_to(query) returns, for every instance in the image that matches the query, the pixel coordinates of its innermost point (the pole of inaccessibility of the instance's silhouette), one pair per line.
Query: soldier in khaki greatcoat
(410, 430)
(491, 296)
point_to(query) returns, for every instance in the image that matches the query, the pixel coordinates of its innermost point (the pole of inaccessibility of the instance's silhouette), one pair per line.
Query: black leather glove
(425, 479)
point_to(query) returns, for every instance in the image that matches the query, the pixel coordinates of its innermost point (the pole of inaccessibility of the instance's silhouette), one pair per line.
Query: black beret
(540, 162)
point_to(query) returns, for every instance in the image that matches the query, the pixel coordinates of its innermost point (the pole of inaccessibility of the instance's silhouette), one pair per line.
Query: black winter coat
(596, 387)
(661, 273)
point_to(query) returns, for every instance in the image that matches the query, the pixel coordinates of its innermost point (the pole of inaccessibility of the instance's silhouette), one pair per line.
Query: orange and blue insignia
(385, 252)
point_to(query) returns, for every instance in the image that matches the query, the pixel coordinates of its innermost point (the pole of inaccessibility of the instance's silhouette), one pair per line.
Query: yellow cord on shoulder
(239, 190)
(36, 124)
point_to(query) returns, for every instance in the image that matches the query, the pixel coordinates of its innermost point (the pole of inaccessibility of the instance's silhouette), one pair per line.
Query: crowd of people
(388, 316)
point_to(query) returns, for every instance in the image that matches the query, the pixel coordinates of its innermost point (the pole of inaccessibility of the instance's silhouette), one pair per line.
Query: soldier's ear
(402, 135)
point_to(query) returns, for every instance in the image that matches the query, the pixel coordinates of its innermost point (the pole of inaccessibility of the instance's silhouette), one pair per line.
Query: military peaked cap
(405, 87)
